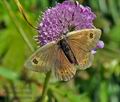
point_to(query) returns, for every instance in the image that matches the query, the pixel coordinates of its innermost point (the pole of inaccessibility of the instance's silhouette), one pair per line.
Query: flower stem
(44, 92)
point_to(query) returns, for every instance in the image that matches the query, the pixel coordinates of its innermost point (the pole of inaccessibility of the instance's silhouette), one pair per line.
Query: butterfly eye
(91, 35)
(35, 61)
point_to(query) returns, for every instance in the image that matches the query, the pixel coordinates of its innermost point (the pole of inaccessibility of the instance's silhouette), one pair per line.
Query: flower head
(99, 45)
(65, 17)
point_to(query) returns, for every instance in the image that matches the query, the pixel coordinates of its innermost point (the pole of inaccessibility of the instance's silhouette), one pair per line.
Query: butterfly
(66, 55)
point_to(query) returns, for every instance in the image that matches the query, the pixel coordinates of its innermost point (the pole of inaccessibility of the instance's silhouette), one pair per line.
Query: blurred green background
(100, 83)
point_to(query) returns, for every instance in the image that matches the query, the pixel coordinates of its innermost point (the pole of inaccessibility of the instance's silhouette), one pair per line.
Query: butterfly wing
(51, 57)
(43, 59)
(64, 70)
(81, 43)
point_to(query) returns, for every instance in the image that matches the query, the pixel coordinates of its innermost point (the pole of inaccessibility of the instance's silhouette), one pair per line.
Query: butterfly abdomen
(67, 51)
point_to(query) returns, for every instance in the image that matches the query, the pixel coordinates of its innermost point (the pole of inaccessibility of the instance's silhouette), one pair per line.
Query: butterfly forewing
(86, 39)
(81, 43)
(43, 59)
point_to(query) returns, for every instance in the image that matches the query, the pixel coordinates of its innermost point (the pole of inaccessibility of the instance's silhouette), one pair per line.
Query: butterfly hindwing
(64, 69)
(84, 58)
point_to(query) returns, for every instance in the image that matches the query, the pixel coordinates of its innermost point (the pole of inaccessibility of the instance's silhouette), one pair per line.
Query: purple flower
(99, 45)
(65, 17)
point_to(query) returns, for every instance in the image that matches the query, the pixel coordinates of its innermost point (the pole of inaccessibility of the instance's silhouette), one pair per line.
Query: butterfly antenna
(24, 14)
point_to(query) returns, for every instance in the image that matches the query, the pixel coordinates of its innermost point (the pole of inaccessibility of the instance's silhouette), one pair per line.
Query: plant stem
(22, 11)
(44, 92)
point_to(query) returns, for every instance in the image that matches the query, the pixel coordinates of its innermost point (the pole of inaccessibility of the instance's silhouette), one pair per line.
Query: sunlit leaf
(103, 92)
(8, 74)
(115, 33)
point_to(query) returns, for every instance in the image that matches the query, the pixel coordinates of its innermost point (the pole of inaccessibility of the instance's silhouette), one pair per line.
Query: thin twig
(22, 11)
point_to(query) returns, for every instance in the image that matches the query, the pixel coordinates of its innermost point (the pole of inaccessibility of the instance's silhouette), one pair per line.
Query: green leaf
(94, 4)
(4, 44)
(63, 93)
(103, 6)
(115, 33)
(42, 4)
(8, 74)
(103, 93)
(14, 56)
(77, 98)
(113, 10)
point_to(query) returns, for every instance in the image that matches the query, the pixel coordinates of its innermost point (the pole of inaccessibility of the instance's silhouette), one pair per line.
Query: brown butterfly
(63, 55)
